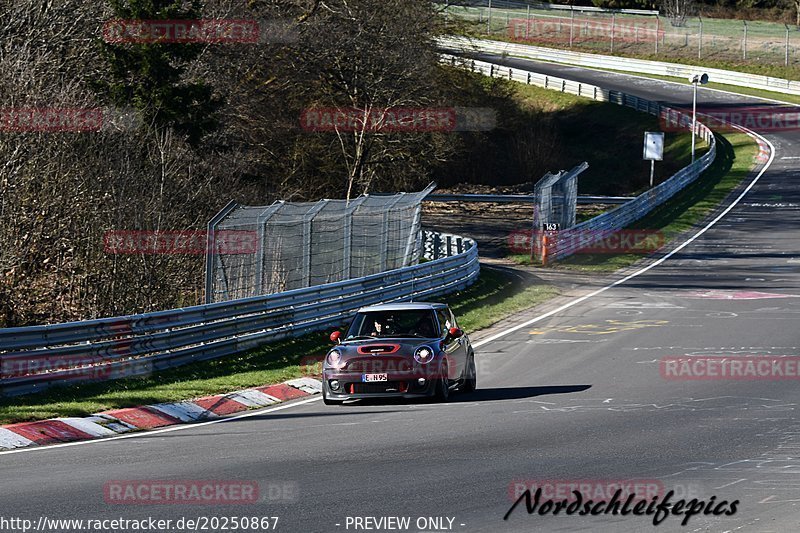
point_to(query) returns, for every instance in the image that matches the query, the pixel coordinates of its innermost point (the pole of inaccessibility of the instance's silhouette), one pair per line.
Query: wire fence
(557, 198)
(609, 31)
(305, 244)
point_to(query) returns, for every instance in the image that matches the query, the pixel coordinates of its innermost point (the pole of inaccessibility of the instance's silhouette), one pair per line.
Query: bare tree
(678, 10)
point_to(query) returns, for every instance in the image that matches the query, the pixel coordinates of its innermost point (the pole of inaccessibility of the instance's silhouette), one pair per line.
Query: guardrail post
(528, 24)
(613, 27)
(210, 253)
(529, 78)
(571, 24)
(261, 221)
(386, 235)
(658, 27)
(744, 42)
(700, 39)
(786, 61)
(308, 219)
(449, 250)
(436, 243)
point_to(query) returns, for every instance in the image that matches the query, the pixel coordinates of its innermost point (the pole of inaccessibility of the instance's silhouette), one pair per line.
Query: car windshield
(384, 324)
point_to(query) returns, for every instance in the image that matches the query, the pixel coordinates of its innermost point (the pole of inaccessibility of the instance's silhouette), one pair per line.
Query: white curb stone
(254, 398)
(184, 411)
(87, 425)
(9, 439)
(309, 385)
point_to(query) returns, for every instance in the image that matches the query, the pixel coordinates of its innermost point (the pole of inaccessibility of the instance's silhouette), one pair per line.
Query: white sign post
(653, 150)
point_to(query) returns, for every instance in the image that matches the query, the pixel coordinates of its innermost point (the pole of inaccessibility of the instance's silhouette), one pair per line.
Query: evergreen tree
(150, 76)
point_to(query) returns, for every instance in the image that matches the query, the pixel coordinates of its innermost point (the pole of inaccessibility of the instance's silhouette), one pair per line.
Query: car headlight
(334, 358)
(423, 355)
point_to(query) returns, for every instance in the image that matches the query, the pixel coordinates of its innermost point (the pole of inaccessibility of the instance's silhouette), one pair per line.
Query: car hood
(389, 346)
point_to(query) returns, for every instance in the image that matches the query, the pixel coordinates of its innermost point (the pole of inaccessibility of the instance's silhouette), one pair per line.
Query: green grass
(494, 296)
(735, 153)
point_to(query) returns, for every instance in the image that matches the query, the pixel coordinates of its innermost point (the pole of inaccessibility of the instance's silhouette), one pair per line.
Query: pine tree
(150, 76)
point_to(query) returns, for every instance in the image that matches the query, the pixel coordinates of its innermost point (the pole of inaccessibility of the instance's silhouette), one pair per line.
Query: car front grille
(379, 387)
(379, 365)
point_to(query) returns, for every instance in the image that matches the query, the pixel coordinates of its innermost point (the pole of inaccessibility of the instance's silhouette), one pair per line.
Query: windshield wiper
(359, 338)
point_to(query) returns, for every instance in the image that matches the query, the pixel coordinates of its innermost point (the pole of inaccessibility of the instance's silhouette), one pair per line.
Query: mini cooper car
(404, 350)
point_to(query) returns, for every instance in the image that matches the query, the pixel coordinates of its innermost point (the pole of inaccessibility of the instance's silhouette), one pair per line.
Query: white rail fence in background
(625, 64)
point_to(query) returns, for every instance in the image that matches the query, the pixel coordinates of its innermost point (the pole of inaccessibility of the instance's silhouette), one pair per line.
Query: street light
(696, 79)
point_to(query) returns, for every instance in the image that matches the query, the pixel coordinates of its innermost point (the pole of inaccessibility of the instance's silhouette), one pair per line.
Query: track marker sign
(653, 150)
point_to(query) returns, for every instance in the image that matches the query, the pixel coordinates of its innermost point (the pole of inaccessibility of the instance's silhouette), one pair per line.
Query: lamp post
(695, 80)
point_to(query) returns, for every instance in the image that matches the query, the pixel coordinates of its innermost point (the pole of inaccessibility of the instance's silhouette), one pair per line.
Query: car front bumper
(398, 385)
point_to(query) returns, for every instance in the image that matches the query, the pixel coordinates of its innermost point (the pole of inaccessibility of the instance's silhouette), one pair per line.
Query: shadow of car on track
(516, 393)
(479, 395)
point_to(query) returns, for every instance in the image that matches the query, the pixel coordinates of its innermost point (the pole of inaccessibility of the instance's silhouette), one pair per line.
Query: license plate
(368, 378)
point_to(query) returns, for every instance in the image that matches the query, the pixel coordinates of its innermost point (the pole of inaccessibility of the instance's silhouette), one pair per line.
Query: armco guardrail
(624, 64)
(33, 358)
(570, 240)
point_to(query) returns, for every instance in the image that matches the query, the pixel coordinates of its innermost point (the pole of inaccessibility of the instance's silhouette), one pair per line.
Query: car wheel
(443, 387)
(327, 401)
(471, 376)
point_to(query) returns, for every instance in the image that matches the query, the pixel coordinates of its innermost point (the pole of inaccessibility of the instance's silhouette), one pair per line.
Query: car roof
(403, 306)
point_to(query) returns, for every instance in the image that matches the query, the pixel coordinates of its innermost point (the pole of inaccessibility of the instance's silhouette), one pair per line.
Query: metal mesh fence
(303, 244)
(557, 198)
(629, 32)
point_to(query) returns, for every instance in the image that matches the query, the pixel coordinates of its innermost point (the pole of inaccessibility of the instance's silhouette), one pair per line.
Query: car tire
(442, 393)
(471, 376)
(328, 401)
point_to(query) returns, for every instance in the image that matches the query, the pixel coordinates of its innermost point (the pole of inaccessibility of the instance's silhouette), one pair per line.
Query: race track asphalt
(574, 397)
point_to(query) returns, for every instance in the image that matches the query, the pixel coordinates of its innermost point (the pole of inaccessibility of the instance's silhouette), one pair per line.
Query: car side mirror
(455, 333)
(335, 337)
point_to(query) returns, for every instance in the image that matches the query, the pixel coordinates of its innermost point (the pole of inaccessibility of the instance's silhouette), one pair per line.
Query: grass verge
(735, 153)
(494, 296)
